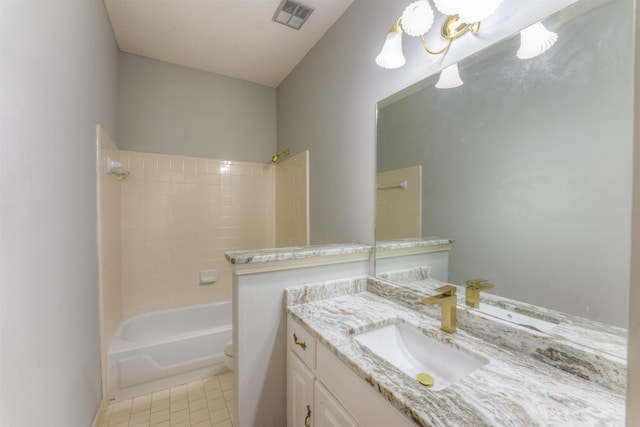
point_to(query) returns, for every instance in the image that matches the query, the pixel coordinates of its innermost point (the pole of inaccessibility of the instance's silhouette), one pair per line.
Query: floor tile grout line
(199, 393)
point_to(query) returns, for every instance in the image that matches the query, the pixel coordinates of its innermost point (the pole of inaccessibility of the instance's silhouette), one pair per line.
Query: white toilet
(228, 355)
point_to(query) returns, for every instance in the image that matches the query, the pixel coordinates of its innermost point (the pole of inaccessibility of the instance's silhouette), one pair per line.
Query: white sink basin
(517, 318)
(413, 353)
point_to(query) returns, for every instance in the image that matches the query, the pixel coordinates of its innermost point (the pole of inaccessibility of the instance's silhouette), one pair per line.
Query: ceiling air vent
(292, 14)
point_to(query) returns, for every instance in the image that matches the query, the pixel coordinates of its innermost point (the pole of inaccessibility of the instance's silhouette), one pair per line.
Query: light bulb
(535, 40)
(449, 78)
(469, 11)
(417, 18)
(391, 54)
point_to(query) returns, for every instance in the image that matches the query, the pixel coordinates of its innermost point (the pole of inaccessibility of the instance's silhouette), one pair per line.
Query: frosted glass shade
(449, 78)
(417, 18)
(391, 54)
(469, 11)
(535, 40)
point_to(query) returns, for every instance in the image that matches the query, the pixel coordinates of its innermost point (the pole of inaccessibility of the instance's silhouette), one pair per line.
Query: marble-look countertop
(557, 351)
(293, 253)
(596, 335)
(389, 245)
(511, 390)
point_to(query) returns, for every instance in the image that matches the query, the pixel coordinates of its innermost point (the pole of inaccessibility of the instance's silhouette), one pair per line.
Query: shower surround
(174, 216)
(179, 215)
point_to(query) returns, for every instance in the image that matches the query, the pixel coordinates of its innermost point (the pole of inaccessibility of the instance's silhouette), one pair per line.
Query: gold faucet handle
(447, 299)
(479, 284)
(446, 293)
(485, 285)
(472, 293)
(447, 290)
(474, 282)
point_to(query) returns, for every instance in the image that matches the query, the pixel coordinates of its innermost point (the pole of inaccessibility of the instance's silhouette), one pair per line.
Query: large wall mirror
(527, 166)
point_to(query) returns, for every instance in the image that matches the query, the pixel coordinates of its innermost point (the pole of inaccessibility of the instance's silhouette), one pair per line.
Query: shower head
(115, 168)
(274, 158)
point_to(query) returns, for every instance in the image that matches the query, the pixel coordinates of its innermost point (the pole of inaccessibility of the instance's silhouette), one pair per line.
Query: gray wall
(166, 108)
(327, 105)
(58, 68)
(535, 189)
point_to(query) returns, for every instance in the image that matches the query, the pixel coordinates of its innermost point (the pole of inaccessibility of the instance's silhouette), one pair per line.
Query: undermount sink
(414, 353)
(517, 318)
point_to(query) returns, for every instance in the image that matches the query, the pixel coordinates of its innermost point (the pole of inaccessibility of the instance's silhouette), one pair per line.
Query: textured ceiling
(234, 38)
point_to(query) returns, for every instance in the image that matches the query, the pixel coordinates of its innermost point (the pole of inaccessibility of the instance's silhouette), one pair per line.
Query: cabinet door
(329, 412)
(299, 393)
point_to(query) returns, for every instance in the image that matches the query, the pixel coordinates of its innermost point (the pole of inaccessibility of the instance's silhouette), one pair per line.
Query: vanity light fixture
(391, 55)
(449, 78)
(462, 16)
(535, 40)
(292, 14)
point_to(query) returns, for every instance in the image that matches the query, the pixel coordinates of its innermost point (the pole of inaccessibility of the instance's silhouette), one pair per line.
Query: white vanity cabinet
(309, 403)
(323, 392)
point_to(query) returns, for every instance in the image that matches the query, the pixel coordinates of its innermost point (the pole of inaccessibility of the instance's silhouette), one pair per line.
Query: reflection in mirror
(527, 168)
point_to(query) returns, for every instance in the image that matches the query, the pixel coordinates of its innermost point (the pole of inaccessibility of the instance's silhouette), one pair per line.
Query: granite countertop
(293, 253)
(599, 336)
(389, 245)
(511, 390)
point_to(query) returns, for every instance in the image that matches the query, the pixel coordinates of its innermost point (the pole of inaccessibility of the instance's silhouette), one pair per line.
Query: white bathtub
(158, 350)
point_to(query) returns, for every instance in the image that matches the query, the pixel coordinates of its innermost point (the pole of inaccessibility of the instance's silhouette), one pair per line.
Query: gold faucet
(447, 299)
(472, 293)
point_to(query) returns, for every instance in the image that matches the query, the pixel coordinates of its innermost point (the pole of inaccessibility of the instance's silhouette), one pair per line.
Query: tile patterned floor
(204, 403)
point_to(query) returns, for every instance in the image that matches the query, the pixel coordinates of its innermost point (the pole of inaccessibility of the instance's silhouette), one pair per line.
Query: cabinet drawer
(301, 342)
(363, 402)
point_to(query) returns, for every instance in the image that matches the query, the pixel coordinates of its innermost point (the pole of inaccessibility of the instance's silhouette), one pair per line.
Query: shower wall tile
(179, 215)
(292, 201)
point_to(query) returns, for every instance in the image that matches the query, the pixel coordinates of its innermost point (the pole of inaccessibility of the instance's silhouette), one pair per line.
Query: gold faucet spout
(472, 293)
(448, 301)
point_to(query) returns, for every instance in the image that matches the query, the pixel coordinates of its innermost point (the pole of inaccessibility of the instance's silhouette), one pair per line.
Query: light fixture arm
(424, 44)
(396, 27)
(451, 29)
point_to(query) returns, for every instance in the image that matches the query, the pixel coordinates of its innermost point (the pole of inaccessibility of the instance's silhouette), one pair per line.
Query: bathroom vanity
(335, 374)
(305, 351)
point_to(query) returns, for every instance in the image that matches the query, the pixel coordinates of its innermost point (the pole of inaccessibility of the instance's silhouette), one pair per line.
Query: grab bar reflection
(403, 184)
